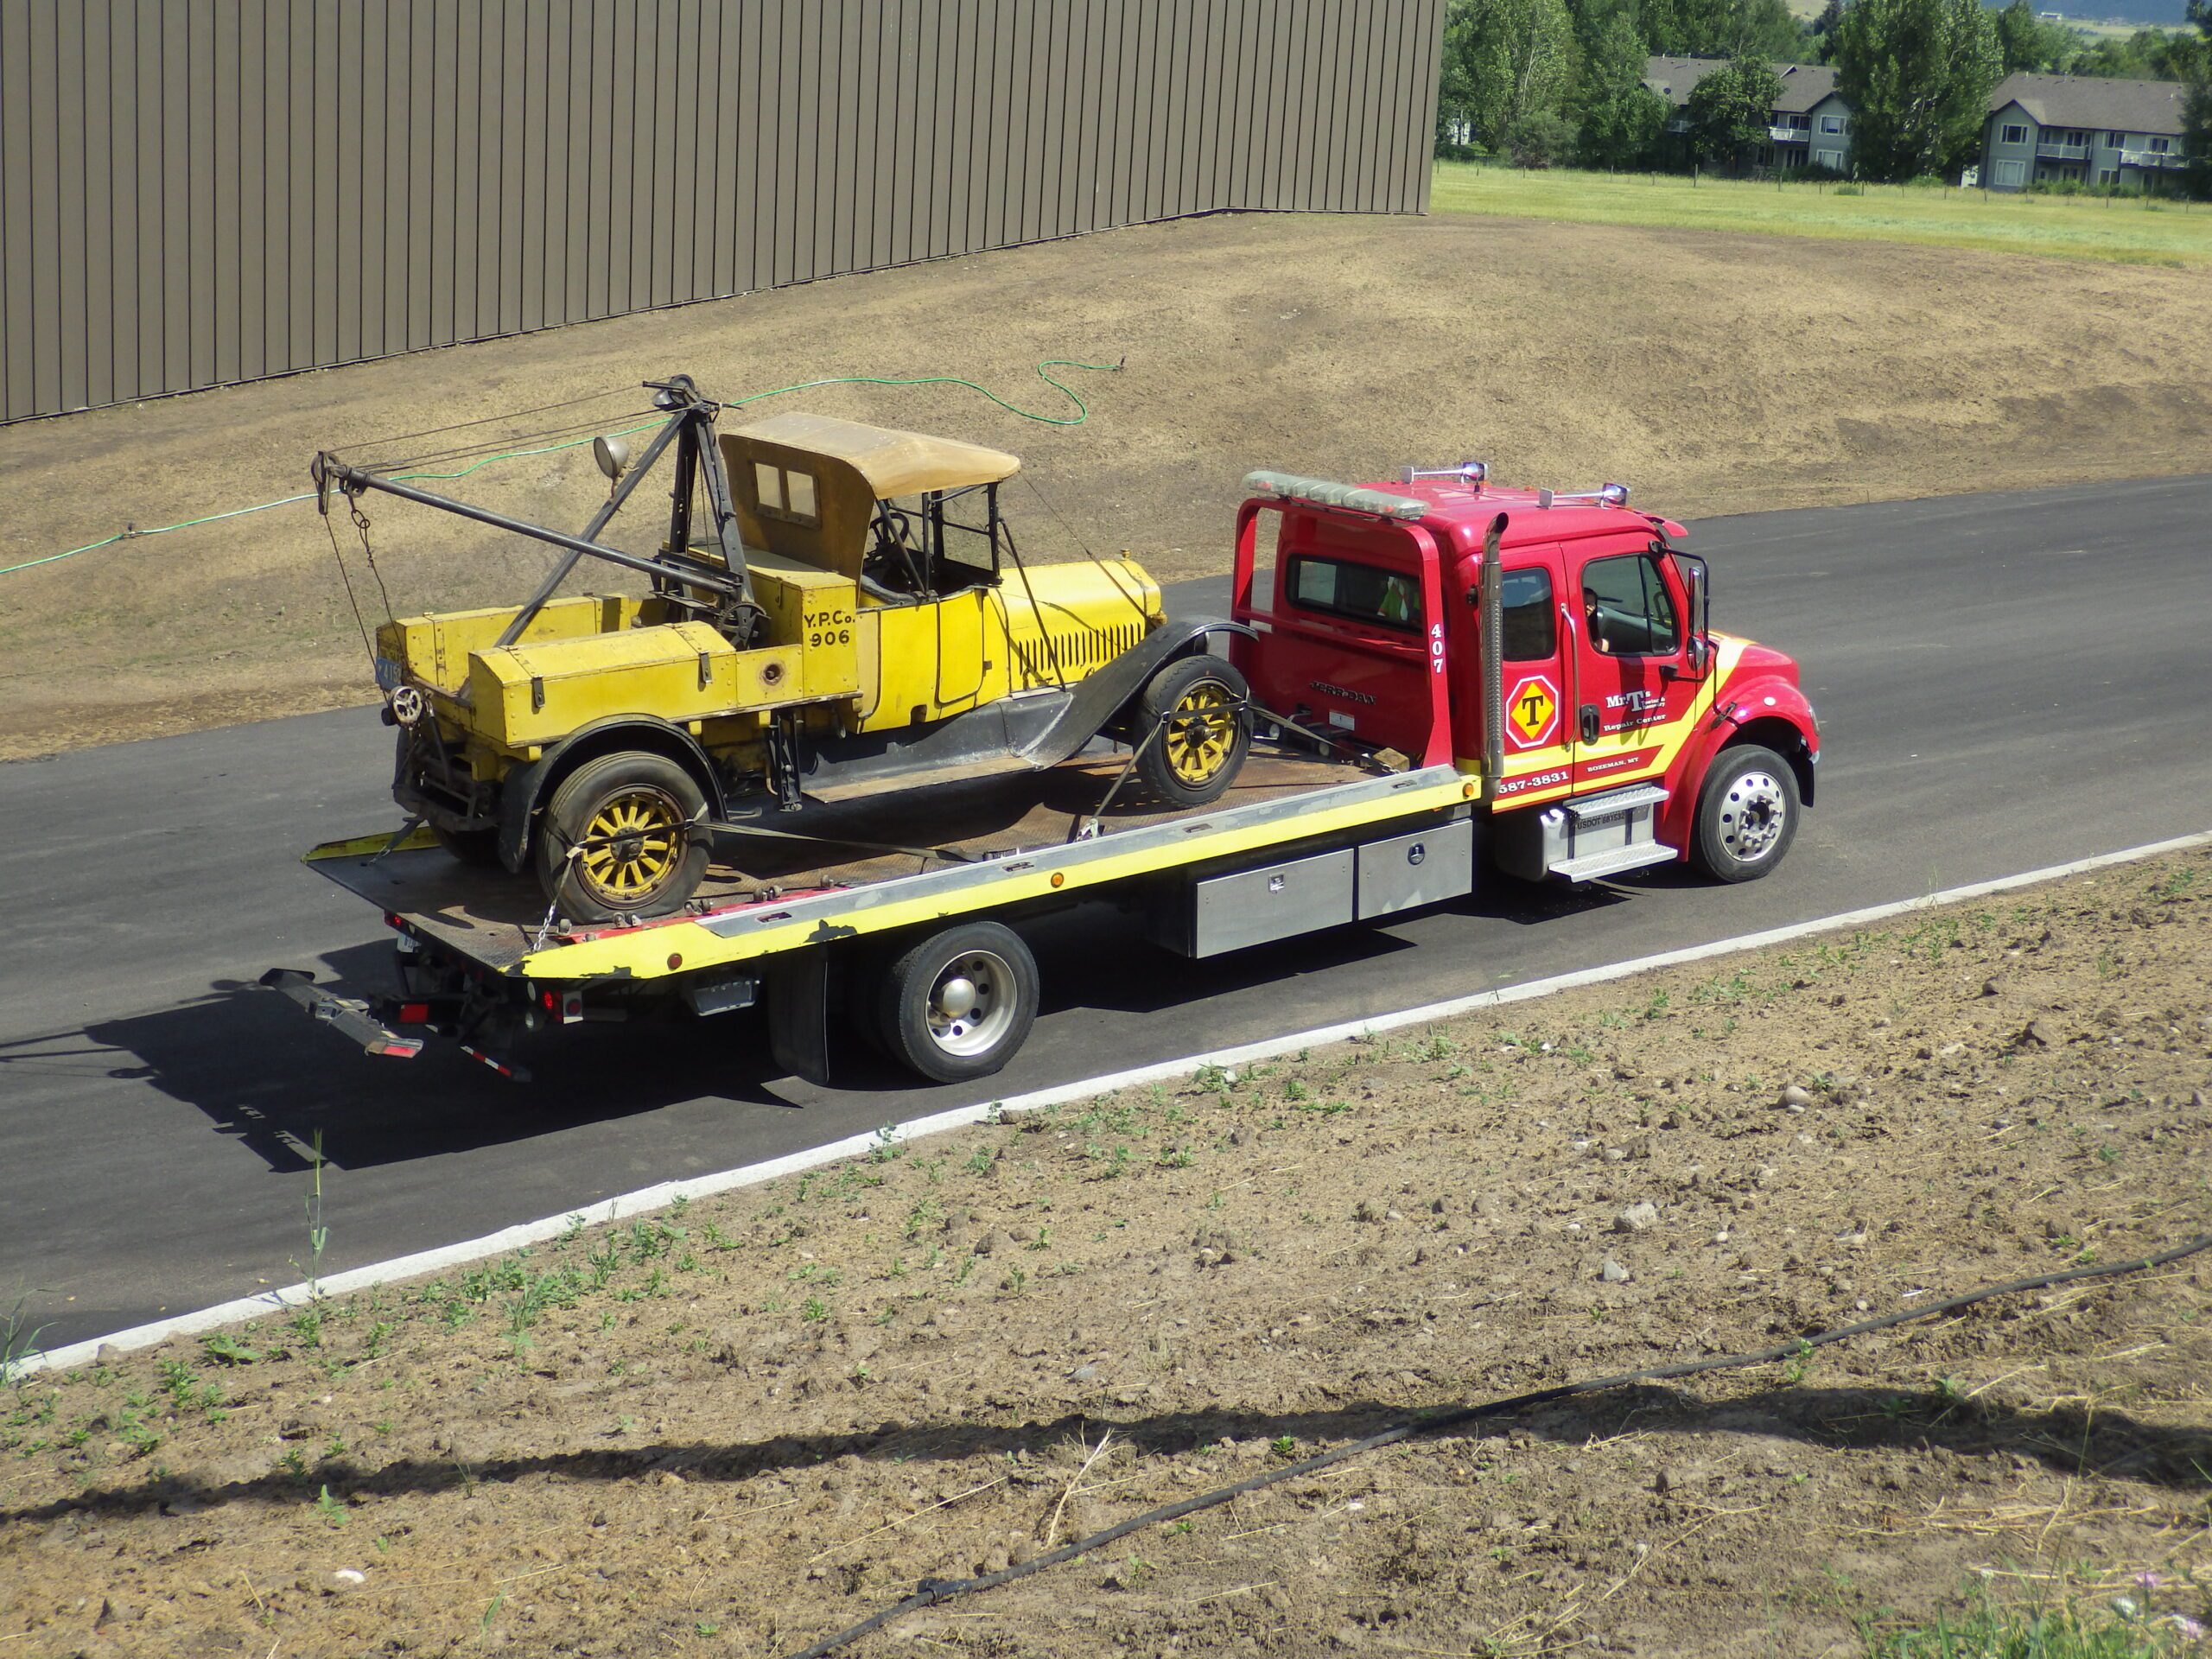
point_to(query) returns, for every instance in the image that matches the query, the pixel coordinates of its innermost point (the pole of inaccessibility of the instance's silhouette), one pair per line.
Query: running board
(1613, 862)
(351, 1019)
(1586, 837)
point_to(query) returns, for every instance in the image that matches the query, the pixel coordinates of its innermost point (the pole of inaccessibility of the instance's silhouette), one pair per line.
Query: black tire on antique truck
(623, 835)
(1193, 726)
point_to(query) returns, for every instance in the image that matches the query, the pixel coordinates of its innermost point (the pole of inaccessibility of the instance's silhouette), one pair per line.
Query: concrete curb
(647, 1199)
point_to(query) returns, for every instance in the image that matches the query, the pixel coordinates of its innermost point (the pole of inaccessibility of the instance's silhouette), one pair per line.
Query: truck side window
(1531, 630)
(1386, 599)
(1627, 608)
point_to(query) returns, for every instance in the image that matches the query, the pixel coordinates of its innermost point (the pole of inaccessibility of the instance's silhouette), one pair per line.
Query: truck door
(1633, 682)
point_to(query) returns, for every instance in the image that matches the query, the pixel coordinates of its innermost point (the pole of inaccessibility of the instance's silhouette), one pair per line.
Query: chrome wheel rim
(1752, 816)
(971, 1003)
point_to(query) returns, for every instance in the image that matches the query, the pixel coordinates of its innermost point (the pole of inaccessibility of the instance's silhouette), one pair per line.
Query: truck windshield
(1384, 599)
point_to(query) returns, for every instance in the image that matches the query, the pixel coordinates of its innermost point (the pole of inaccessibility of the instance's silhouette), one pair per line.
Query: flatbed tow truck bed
(1279, 854)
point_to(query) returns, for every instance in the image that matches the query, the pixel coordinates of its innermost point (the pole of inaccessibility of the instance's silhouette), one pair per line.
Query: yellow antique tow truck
(831, 616)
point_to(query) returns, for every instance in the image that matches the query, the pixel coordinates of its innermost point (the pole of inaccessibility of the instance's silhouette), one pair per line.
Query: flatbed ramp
(837, 871)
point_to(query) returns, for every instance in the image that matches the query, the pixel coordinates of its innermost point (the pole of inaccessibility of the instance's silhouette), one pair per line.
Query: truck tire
(960, 1003)
(621, 838)
(1746, 814)
(1193, 725)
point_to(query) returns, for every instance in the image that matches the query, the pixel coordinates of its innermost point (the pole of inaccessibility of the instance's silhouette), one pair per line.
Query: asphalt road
(2004, 682)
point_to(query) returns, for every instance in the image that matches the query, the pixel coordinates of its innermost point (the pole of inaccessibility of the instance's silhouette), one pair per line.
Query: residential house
(1809, 126)
(2045, 127)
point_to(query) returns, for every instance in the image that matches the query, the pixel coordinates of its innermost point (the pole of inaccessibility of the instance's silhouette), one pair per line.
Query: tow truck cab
(1617, 700)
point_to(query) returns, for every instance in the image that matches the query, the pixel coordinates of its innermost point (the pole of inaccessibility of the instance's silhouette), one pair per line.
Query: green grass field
(2131, 231)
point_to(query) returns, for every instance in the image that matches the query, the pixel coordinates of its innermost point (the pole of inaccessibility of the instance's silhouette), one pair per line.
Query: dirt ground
(753, 1420)
(1715, 373)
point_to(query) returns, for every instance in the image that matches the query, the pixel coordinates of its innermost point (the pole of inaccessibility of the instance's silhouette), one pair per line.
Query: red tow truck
(1445, 677)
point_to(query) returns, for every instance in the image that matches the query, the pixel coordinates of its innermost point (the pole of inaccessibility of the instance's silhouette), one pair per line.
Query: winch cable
(934, 1591)
(132, 532)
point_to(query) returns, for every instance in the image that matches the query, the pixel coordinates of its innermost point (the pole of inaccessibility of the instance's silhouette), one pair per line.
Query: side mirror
(1694, 581)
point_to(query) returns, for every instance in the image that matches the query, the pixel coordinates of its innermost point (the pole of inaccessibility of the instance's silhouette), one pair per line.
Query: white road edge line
(648, 1200)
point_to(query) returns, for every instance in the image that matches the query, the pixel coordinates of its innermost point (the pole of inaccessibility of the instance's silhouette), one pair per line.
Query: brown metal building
(194, 192)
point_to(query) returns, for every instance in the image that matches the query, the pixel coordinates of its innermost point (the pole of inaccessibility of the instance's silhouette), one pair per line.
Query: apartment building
(2045, 127)
(2040, 128)
(1809, 126)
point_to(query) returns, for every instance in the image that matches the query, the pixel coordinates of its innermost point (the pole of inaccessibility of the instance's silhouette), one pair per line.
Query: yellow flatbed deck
(826, 873)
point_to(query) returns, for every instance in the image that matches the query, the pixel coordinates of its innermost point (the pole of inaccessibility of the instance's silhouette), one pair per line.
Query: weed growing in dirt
(318, 1234)
(18, 1343)
(2076, 1626)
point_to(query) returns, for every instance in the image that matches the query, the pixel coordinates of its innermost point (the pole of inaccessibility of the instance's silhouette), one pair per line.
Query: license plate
(388, 675)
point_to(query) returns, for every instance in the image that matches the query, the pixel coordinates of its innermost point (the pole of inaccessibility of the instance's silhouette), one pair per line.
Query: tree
(2026, 42)
(1730, 109)
(1918, 75)
(1619, 117)
(1505, 62)
(1722, 28)
(2196, 102)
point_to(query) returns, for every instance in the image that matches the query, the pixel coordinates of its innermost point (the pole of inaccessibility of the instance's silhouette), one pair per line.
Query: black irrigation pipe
(933, 1591)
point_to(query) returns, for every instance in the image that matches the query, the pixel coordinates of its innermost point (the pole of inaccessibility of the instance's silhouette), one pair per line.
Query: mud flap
(798, 1014)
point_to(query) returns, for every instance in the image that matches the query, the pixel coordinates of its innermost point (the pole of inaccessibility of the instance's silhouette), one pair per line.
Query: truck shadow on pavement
(270, 1080)
(2105, 1444)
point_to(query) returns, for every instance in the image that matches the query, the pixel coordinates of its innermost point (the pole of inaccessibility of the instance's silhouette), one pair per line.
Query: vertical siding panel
(277, 241)
(146, 59)
(395, 28)
(824, 193)
(610, 153)
(702, 125)
(66, 120)
(100, 217)
(548, 253)
(983, 143)
(522, 191)
(1243, 45)
(657, 84)
(678, 229)
(466, 99)
(421, 168)
(1087, 65)
(898, 105)
(172, 169)
(1431, 61)
(934, 136)
(765, 30)
(871, 160)
(226, 314)
(1056, 89)
(364, 73)
(1131, 57)
(801, 73)
(996, 174)
(447, 144)
(324, 295)
(794, 159)
(587, 141)
(732, 159)
(845, 76)
(492, 142)
(967, 42)
(18, 315)
(1337, 84)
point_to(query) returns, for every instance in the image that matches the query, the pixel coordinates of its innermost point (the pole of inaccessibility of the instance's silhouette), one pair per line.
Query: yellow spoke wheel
(631, 845)
(620, 837)
(1192, 728)
(1201, 732)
